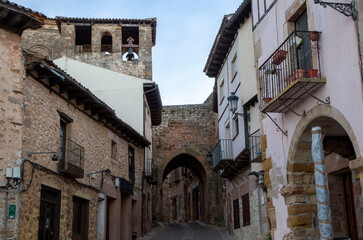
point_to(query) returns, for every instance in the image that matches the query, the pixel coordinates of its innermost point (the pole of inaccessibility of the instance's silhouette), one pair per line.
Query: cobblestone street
(188, 231)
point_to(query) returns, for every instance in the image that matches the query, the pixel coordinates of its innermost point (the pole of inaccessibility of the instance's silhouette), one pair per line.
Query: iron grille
(255, 145)
(222, 151)
(297, 57)
(72, 162)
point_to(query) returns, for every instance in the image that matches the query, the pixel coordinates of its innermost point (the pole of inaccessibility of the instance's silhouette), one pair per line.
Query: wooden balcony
(291, 73)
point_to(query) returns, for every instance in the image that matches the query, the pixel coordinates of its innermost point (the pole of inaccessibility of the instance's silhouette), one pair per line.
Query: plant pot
(279, 57)
(290, 79)
(266, 100)
(299, 73)
(314, 36)
(312, 73)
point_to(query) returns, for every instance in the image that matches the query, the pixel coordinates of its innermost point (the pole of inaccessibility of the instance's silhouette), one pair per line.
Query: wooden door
(80, 219)
(349, 208)
(49, 214)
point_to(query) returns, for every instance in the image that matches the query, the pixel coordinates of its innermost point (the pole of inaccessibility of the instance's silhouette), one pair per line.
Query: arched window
(106, 43)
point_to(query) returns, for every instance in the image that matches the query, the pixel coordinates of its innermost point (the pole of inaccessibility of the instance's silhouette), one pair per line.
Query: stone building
(105, 43)
(118, 51)
(237, 155)
(71, 168)
(309, 74)
(181, 196)
(182, 141)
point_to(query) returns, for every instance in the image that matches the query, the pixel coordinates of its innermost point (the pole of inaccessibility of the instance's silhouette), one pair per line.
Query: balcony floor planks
(291, 94)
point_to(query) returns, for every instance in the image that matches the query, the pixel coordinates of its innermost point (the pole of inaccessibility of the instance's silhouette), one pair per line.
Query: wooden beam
(14, 20)
(3, 13)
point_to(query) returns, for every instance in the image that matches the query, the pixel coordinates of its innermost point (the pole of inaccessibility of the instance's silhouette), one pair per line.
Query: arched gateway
(187, 188)
(344, 189)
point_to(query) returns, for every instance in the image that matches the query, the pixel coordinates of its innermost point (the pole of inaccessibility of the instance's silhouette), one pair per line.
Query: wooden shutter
(246, 209)
(236, 214)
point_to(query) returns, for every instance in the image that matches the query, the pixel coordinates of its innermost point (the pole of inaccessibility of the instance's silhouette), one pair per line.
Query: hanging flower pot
(312, 73)
(279, 57)
(314, 36)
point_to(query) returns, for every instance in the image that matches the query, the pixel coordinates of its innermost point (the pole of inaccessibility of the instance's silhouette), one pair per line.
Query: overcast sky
(185, 33)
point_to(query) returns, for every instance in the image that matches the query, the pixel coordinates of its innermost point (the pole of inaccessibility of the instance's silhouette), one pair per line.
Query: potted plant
(312, 73)
(299, 73)
(314, 36)
(289, 79)
(266, 99)
(279, 57)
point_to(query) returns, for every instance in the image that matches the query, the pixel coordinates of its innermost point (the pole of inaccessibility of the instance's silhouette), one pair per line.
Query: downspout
(259, 207)
(143, 171)
(6, 213)
(321, 185)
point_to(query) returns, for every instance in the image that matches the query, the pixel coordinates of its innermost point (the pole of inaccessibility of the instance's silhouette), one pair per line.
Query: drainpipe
(321, 185)
(259, 208)
(6, 213)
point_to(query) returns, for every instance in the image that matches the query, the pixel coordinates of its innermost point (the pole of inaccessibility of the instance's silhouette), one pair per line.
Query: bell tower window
(106, 43)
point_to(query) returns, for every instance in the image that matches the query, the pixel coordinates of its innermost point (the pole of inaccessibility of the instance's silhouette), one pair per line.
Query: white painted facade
(123, 93)
(339, 65)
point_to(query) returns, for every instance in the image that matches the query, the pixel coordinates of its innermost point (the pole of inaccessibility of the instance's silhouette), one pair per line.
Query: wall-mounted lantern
(233, 105)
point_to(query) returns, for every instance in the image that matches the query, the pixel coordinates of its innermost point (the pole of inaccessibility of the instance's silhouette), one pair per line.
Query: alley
(189, 231)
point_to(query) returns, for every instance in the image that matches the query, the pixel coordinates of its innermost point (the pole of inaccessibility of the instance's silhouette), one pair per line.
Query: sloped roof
(18, 17)
(225, 36)
(84, 96)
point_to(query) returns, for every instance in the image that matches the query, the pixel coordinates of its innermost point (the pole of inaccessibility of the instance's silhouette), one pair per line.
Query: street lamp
(233, 104)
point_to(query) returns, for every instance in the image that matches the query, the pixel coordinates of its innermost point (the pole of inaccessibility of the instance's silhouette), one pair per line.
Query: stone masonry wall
(189, 129)
(49, 42)
(11, 78)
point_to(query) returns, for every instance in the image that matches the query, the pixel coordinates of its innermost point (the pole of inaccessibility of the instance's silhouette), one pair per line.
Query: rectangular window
(113, 150)
(221, 92)
(62, 139)
(234, 67)
(246, 209)
(235, 126)
(49, 214)
(80, 219)
(236, 219)
(132, 165)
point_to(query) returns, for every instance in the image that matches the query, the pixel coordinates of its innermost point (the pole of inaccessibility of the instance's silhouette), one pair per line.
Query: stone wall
(235, 189)
(11, 78)
(188, 129)
(49, 42)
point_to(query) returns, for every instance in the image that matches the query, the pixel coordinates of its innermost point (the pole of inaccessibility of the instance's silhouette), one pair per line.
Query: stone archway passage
(184, 197)
(183, 139)
(300, 193)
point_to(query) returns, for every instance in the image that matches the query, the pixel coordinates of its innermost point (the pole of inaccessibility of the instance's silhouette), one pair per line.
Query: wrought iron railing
(297, 57)
(255, 145)
(222, 152)
(149, 167)
(72, 159)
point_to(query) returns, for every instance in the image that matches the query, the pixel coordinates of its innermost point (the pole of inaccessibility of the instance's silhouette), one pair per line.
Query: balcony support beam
(279, 128)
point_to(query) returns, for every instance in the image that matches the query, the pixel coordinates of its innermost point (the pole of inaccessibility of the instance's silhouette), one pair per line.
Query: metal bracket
(292, 110)
(348, 9)
(327, 99)
(274, 121)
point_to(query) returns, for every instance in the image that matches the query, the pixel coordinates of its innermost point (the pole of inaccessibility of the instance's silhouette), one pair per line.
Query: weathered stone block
(299, 221)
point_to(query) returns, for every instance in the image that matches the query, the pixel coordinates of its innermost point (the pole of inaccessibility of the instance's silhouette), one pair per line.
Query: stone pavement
(187, 231)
